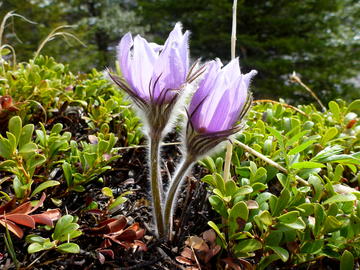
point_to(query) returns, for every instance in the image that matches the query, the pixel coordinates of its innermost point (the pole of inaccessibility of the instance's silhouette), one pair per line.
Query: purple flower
(154, 73)
(221, 98)
(221, 101)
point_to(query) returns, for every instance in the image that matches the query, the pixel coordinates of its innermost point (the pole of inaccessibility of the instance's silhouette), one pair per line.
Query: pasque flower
(154, 76)
(218, 105)
(215, 112)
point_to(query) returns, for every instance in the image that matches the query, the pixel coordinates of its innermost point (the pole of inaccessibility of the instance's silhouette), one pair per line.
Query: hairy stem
(172, 192)
(156, 184)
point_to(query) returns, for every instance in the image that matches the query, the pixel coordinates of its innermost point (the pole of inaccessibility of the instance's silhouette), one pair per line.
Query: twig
(36, 260)
(145, 146)
(296, 79)
(229, 147)
(233, 30)
(268, 160)
(282, 104)
(55, 33)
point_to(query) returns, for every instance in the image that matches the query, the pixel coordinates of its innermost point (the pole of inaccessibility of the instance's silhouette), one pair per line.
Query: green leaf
(35, 161)
(312, 247)
(299, 224)
(230, 187)
(41, 137)
(331, 224)
(307, 209)
(12, 141)
(218, 204)
(307, 165)
(219, 162)
(33, 238)
(28, 148)
(238, 215)
(35, 247)
(209, 179)
(266, 218)
(5, 148)
(65, 233)
(209, 163)
(244, 190)
(90, 159)
(119, 200)
(57, 128)
(276, 134)
(281, 252)
(266, 260)
(61, 224)
(220, 183)
(354, 106)
(7, 165)
(107, 192)
(340, 198)
(248, 245)
(26, 135)
(15, 127)
(283, 179)
(102, 147)
(319, 218)
(301, 147)
(68, 173)
(45, 185)
(347, 260)
(258, 187)
(18, 188)
(329, 134)
(281, 202)
(289, 217)
(316, 182)
(69, 248)
(296, 138)
(220, 234)
(78, 188)
(335, 110)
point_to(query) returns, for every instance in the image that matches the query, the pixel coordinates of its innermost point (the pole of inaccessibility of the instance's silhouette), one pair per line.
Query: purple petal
(209, 106)
(248, 77)
(239, 96)
(206, 84)
(174, 36)
(172, 64)
(232, 70)
(184, 52)
(156, 47)
(142, 66)
(123, 56)
(219, 119)
(171, 76)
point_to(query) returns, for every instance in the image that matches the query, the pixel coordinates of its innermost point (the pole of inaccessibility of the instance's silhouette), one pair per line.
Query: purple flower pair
(155, 77)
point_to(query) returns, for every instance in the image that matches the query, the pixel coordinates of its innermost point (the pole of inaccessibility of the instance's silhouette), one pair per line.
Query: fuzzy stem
(155, 181)
(172, 192)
